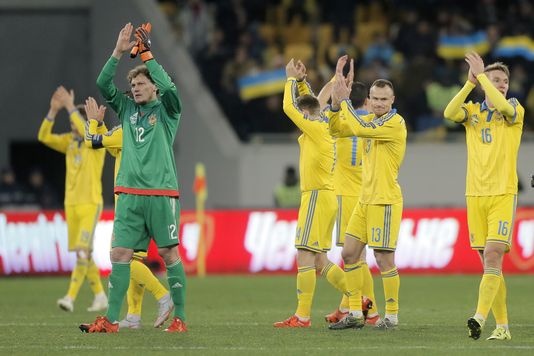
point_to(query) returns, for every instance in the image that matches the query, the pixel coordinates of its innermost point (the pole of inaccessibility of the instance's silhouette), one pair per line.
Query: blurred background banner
(262, 84)
(515, 46)
(455, 47)
(258, 241)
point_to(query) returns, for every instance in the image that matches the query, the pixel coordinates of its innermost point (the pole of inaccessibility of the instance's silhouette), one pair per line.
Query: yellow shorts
(81, 223)
(345, 207)
(376, 225)
(491, 218)
(317, 214)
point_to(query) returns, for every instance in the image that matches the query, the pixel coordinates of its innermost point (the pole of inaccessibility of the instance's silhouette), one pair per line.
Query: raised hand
(66, 97)
(350, 75)
(301, 70)
(472, 78)
(291, 70)
(124, 42)
(476, 64)
(55, 103)
(340, 65)
(93, 111)
(341, 91)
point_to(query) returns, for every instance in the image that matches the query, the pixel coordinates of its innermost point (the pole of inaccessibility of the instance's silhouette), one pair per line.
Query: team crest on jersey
(473, 119)
(152, 119)
(133, 119)
(472, 237)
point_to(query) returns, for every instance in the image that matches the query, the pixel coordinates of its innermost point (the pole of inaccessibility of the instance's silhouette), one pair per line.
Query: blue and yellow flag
(262, 84)
(455, 47)
(515, 46)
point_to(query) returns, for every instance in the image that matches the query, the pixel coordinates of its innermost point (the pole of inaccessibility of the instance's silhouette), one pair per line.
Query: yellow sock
(344, 304)
(134, 296)
(93, 276)
(500, 312)
(141, 274)
(305, 290)
(368, 287)
(353, 276)
(77, 277)
(335, 276)
(489, 286)
(391, 282)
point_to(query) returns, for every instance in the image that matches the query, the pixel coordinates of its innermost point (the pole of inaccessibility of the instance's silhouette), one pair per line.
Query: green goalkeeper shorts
(141, 217)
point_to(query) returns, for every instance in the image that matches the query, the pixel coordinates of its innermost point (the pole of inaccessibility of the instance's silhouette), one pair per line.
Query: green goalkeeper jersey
(147, 165)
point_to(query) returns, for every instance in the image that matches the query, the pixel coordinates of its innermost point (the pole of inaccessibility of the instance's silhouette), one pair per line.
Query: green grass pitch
(234, 315)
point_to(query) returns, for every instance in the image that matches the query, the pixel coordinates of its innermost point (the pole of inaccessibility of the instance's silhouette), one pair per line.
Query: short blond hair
(140, 69)
(498, 66)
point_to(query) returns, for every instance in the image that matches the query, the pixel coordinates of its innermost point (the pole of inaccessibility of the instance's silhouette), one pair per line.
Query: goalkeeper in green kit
(146, 183)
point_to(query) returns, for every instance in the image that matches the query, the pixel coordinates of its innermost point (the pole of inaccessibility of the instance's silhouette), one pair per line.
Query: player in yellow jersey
(318, 201)
(83, 196)
(376, 219)
(493, 134)
(141, 278)
(347, 185)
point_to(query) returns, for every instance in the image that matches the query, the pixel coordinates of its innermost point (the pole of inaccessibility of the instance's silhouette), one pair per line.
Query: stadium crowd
(419, 45)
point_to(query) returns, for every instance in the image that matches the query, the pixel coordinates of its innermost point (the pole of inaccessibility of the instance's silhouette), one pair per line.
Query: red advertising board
(259, 241)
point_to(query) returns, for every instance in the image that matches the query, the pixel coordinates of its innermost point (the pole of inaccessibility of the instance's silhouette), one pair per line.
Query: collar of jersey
(484, 106)
(150, 104)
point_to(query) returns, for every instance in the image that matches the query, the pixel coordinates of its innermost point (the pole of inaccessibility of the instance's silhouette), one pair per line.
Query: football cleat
(372, 319)
(386, 324)
(66, 304)
(367, 304)
(348, 322)
(474, 327)
(101, 325)
(292, 322)
(177, 326)
(130, 322)
(166, 307)
(100, 303)
(335, 316)
(500, 334)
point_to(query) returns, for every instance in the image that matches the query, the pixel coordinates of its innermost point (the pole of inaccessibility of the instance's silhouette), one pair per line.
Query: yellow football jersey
(83, 178)
(111, 140)
(348, 170)
(316, 162)
(384, 145)
(493, 136)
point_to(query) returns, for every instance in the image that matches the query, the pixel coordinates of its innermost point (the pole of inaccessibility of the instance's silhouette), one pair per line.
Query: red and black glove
(140, 46)
(143, 38)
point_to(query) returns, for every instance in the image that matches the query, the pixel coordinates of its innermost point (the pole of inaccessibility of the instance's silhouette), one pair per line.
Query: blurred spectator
(12, 194)
(397, 39)
(380, 50)
(196, 26)
(287, 193)
(40, 193)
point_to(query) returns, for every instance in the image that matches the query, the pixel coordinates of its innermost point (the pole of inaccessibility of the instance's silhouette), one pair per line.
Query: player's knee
(385, 260)
(493, 257)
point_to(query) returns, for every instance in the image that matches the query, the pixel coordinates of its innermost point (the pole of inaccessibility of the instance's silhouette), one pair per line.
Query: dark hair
(382, 83)
(358, 94)
(308, 102)
(81, 110)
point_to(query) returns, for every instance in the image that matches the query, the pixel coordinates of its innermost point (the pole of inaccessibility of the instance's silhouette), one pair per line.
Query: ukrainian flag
(455, 47)
(515, 46)
(262, 84)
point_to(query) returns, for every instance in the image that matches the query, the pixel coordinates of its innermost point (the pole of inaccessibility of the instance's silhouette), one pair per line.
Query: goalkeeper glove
(135, 48)
(143, 38)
